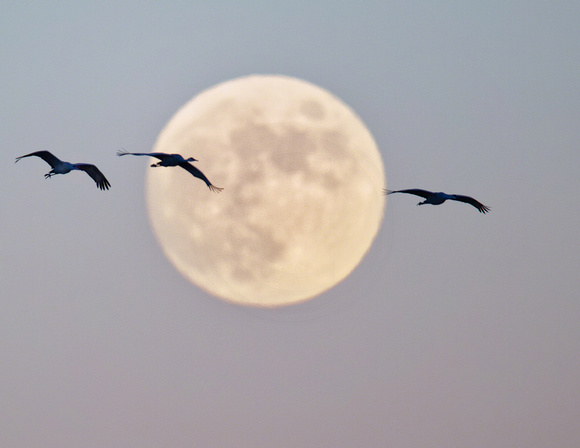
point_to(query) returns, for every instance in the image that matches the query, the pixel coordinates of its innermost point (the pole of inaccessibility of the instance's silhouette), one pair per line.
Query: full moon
(302, 199)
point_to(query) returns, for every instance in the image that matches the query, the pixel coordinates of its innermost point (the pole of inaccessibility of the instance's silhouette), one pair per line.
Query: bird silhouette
(60, 167)
(440, 197)
(175, 160)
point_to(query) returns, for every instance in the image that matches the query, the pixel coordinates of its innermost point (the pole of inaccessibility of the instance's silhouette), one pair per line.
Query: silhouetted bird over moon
(175, 160)
(61, 167)
(440, 197)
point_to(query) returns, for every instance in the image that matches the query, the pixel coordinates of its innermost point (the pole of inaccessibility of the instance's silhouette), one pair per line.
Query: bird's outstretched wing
(197, 173)
(159, 155)
(44, 155)
(96, 174)
(417, 192)
(469, 200)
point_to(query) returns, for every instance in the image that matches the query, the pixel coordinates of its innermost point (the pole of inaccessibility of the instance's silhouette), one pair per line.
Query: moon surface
(302, 199)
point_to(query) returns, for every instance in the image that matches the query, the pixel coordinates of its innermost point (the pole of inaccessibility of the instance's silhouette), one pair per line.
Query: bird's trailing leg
(422, 203)
(49, 175)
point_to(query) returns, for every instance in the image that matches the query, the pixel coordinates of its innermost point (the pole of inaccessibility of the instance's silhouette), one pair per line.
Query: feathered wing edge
(158, 155)
(469, 200)
(47, 156)
(415, 191)
(197, 173)
(95, 174)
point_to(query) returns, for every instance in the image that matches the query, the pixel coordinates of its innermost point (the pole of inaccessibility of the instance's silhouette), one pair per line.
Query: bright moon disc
(302, 199)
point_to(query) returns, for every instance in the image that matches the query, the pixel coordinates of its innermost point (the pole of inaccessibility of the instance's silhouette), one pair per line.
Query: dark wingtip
(104, 185)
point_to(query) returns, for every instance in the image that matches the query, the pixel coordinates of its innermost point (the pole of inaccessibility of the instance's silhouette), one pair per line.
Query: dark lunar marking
(291, 152)
(334, 146)
(243, 274)
(251, 140)
(288, 150)
(334, 141)
(312, 109)
(253, 172)
(252, 242)
(330, 181)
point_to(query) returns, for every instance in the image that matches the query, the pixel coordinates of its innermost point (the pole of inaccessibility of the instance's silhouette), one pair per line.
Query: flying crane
(60, 167)
(440, 197)
(175, 160)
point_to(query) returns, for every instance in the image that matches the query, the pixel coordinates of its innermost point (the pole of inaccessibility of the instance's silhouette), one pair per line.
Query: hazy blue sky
(457, 330)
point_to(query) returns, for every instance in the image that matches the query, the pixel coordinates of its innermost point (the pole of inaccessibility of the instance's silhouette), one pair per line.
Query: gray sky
(457, 329)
